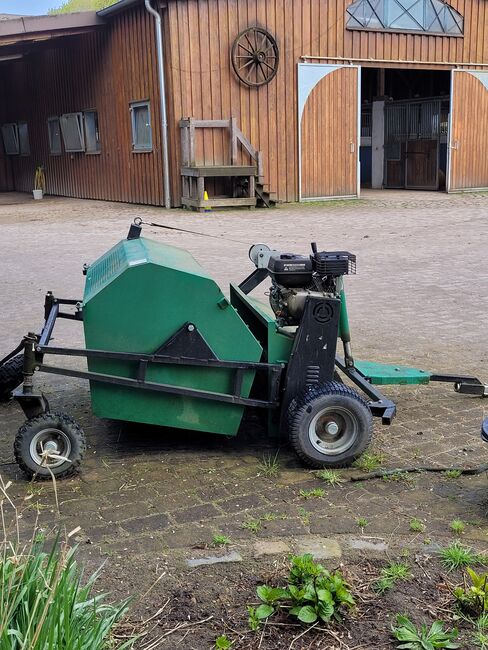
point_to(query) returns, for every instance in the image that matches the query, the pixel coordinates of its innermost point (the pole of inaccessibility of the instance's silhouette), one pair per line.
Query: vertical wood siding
(469, 157)
(329, 162)
(103, 70)
(199, 35)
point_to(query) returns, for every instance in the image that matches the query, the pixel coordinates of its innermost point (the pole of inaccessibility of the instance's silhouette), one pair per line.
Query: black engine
(294, 277)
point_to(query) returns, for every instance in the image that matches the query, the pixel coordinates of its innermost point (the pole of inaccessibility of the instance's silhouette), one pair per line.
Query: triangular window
(426, 16)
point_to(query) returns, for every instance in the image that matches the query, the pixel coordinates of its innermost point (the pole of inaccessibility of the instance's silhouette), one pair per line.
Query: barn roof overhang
(30, 29)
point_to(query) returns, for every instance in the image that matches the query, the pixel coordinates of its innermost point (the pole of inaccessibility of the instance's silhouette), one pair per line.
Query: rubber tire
(304, 409)
(11, 376)
(32, 426)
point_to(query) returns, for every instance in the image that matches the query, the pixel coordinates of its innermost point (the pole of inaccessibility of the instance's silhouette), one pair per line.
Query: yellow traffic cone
(205, 198)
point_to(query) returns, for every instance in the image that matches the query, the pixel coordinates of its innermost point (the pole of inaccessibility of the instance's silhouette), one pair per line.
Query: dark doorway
(404, 128)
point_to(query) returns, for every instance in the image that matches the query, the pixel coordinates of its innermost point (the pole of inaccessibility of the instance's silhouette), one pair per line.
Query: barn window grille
(92, 134)
(427, 16)
(141, 126)
(24, 146)
(54, 133)
(10, 134)
(72, 130)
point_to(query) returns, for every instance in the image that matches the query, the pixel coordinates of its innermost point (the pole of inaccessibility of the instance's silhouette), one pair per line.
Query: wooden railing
(236, 137)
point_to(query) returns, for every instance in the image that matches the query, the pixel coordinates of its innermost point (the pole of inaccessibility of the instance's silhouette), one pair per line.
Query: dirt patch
(200, 605)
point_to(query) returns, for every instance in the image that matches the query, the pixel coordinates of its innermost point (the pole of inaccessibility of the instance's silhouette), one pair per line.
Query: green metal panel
(136, 297)
(262, 321)
(381, 373)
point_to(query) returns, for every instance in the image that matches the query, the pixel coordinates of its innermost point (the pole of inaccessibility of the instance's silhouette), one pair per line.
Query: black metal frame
(309, 355)
(36, 346)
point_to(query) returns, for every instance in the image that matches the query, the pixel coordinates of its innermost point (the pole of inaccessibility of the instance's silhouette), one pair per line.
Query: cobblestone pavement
(420, 297)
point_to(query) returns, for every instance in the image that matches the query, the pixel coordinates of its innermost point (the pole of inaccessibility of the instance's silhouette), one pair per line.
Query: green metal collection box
(137, 295)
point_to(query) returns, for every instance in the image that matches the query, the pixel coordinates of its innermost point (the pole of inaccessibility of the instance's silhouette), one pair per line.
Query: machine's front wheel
(330, 426)
(49, 443)
(11, 376)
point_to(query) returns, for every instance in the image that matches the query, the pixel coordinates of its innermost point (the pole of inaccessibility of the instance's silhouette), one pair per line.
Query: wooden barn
(248, 100)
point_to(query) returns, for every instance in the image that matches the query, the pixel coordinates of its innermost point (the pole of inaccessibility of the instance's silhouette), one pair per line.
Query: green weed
(330, 476)
(269, 466)
(432, 638)
(304, 516)
(253, 525)
(312, 594)
(391, 574)
(416, 525)
(369, 462)
(223, 643)
(314, 493)
(457, 526)
(456, 556)
(452, 473)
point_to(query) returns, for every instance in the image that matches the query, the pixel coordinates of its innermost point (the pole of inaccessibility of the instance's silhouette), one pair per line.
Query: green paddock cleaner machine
(164, 346)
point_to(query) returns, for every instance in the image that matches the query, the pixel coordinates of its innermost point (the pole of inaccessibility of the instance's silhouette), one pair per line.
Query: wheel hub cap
(333, 430)
(48, 443)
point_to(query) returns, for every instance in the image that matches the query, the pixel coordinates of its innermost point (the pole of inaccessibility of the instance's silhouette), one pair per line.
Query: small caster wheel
(11, 376)
(49, 443)
(330, 425)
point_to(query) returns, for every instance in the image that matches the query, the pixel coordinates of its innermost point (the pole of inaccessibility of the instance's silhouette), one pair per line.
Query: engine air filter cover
(290, 270)
(334, 263)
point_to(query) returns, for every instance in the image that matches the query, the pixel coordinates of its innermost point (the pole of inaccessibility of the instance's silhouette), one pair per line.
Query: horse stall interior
(404, 128)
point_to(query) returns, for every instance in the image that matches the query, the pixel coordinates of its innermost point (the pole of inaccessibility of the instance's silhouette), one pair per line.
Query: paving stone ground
(420, 297)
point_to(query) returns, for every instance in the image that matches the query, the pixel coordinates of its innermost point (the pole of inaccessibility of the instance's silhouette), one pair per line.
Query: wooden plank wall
(103, 70)
(329, 163)
(469, 158)
(199, 35)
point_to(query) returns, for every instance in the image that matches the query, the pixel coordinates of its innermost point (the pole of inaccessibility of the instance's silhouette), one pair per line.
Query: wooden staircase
(247, 188)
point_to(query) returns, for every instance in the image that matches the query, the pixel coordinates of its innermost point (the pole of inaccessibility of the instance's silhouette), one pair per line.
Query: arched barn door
(328, 122)
(468, 150)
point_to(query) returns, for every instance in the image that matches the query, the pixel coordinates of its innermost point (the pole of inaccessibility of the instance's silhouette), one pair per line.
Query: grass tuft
(457, 526)
(269, 466)
(369, 462)
(394, 572)
(330, 476)
(252, 525)
(314, 493)
(452, 473)
(456, 556)
(220, 540)
(416, 525)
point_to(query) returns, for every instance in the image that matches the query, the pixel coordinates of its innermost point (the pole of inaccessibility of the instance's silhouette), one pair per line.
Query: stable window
(23, 139)
(54, 133)
(92, 134)
(10, 134)
(72, 130)
(141, 126)
(427, 16)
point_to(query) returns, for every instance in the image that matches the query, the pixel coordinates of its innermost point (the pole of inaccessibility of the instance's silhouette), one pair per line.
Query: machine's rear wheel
(11, 376)
(51, 441)
(330, 426)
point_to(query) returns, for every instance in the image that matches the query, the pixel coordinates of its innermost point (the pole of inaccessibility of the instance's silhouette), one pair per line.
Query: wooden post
(233, 140)
(252, 187)
(260, 166)
(191, 139)
(200, 188)
(185, 149)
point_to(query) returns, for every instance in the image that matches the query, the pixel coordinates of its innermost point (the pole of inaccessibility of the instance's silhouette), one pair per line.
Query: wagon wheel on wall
(255, 56)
